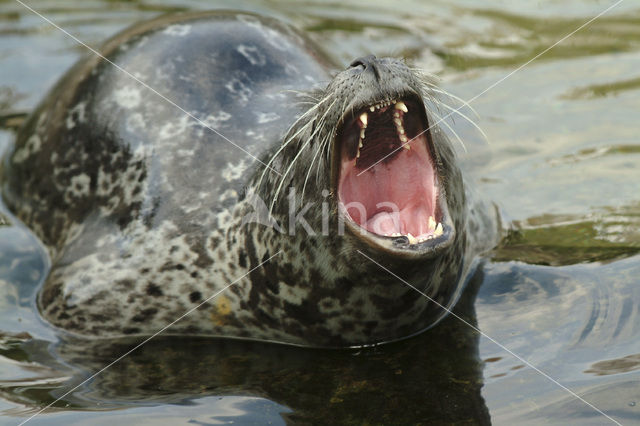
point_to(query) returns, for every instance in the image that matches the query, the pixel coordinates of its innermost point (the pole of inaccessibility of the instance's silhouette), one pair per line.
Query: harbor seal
(217, 154)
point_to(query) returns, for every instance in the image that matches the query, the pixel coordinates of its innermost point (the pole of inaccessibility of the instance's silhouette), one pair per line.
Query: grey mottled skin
(141, 207)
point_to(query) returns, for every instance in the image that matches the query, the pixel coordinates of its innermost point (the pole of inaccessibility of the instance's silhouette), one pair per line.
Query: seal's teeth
(361, 133)
(432, 223)
(438, 230)
(359, 144)
(401, 106)
(372, 108)
(363, 118)
(407, 146)
(412, 239)
(397, 122)
(393, 101)
(396, 234)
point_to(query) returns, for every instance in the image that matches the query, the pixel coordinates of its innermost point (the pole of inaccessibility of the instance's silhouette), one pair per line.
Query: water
(562, 291)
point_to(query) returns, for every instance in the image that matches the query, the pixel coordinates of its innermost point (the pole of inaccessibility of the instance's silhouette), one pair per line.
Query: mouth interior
(387, 182)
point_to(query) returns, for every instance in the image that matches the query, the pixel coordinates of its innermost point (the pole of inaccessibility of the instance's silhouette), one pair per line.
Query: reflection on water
(562, 290)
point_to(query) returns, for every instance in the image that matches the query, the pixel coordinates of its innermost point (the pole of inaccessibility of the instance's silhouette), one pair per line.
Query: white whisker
(457, 98)
(288, 139)
(441, 120)
(295, 159)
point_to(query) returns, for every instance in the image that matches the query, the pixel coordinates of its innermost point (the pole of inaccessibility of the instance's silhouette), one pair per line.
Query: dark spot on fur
(272, 287)
(144, 315)
(50, 293)
(99, 318)
(195, 296)
(215, 242)
(242, 259)
(154, 290)
(307, 313)
(124, 284)
(130, 330)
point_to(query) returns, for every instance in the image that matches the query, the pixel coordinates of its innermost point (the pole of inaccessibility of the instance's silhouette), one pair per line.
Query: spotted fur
(144, 210)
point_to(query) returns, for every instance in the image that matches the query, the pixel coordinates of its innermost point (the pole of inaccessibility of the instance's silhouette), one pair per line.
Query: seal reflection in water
(146, 212)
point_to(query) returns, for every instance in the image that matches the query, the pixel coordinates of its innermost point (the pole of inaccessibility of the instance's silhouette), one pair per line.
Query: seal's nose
(369, 62)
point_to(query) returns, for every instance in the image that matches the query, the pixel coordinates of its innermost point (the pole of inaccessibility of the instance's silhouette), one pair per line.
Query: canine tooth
(401, 106)
(438, 230)
(412, 239)
(432, 223)
(363, 118)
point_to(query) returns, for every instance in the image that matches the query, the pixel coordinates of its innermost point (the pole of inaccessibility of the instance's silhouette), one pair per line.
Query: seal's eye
(387, 182)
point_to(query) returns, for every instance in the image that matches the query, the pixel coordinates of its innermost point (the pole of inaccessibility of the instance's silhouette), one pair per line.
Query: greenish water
(561, 161)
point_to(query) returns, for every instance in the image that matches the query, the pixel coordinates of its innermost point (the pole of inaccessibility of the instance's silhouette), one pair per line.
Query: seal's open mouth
(387, 181)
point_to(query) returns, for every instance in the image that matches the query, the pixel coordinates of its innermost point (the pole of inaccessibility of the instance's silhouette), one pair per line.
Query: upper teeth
(363, 118)
(399, 108)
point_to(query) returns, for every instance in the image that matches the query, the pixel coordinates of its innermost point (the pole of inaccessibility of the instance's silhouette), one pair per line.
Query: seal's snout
(368, 63)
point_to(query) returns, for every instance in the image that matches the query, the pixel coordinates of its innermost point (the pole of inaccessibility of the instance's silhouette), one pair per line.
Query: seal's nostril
(365, 61)
(368, 63)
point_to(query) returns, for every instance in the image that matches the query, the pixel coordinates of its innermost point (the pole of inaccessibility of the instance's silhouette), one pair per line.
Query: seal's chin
(388, 186)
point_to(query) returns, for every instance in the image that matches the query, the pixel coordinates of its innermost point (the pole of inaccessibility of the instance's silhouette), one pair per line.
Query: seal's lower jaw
(388, 188)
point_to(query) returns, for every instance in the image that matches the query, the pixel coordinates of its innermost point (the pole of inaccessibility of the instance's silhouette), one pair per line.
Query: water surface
(562, 291)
